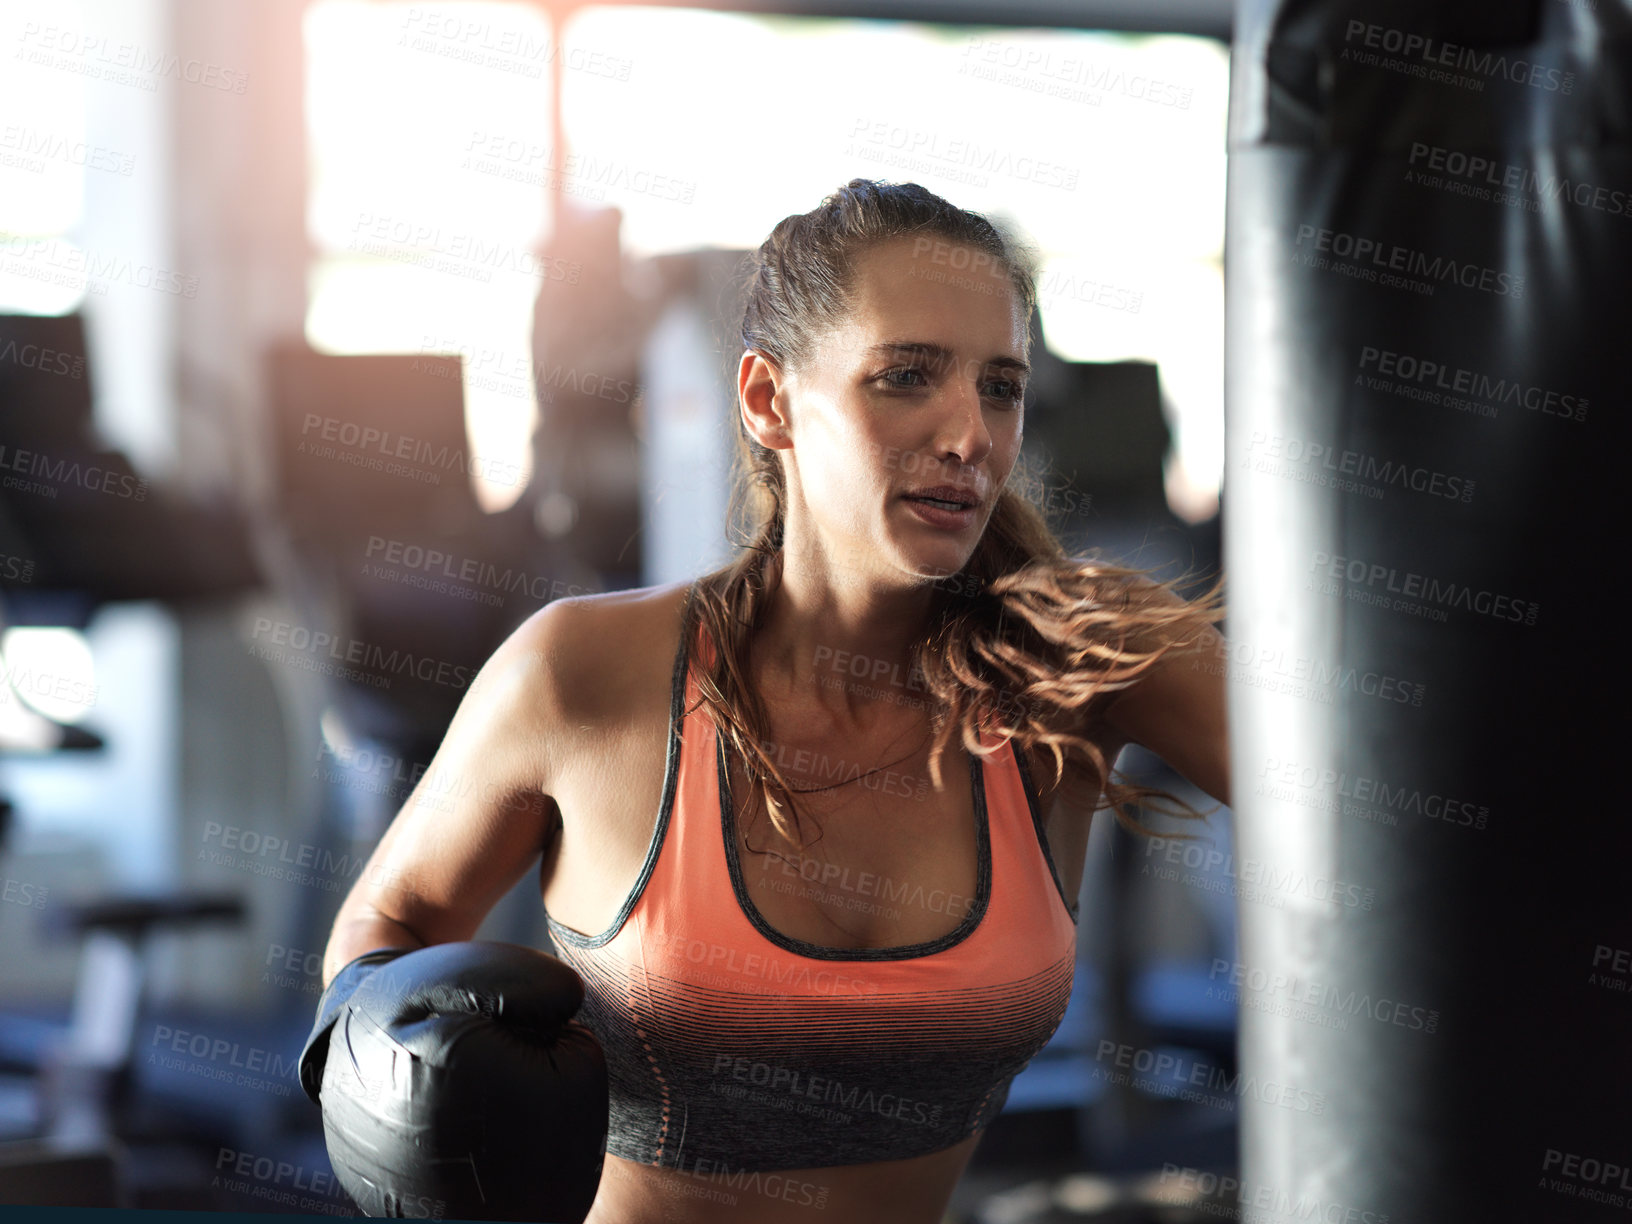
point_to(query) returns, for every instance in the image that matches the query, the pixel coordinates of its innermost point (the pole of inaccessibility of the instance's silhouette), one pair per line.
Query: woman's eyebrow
(939, 353)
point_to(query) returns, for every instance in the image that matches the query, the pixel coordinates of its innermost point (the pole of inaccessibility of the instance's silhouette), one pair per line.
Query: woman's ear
(759, 385)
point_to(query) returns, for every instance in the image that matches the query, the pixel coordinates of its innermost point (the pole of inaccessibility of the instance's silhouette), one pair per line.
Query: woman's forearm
(361, 932)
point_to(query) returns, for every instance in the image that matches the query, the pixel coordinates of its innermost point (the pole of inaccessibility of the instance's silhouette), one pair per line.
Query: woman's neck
(837, 642)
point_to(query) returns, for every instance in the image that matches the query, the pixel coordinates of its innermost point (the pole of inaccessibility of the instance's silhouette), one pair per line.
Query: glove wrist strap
(315, 1054)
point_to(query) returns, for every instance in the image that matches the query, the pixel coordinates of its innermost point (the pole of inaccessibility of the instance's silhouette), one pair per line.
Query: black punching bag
(1429, 256)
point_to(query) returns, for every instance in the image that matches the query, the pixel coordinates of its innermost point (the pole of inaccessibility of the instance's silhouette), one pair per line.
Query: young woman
(813, 825)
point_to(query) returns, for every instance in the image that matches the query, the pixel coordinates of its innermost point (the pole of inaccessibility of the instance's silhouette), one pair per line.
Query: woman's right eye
(903, 370)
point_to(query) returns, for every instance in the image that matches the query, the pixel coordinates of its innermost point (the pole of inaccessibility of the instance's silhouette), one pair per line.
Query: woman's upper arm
(1178, 710)
(482, 812)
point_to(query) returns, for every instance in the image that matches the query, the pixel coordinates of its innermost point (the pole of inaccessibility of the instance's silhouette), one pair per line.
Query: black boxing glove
(340, 988)
(456, 1084)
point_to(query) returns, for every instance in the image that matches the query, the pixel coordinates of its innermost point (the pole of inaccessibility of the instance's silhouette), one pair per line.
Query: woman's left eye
(1015, 392)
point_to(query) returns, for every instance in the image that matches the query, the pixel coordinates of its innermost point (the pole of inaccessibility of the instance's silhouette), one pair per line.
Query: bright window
(707, 128)
(43, 156)
(416, 250)
(1108, 149)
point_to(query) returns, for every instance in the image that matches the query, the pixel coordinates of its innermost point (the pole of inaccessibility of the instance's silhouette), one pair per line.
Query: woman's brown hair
(1024, 639)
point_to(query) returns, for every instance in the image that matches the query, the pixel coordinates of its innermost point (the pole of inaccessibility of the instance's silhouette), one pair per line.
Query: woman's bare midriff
(608, 797)
(914, 1191)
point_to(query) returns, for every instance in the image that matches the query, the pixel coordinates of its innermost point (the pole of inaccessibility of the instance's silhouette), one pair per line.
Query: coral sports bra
(730, 1043)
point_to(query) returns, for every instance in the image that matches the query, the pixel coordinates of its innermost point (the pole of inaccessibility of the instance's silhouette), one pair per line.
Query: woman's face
(917, 391)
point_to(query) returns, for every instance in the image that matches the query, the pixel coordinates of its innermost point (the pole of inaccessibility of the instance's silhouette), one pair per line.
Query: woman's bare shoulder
(594, 656)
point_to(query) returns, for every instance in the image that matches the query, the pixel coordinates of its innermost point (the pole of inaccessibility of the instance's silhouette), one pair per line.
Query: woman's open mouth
(953, 509)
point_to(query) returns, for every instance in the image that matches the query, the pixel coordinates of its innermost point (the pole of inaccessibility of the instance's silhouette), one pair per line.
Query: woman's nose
(964, 432)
